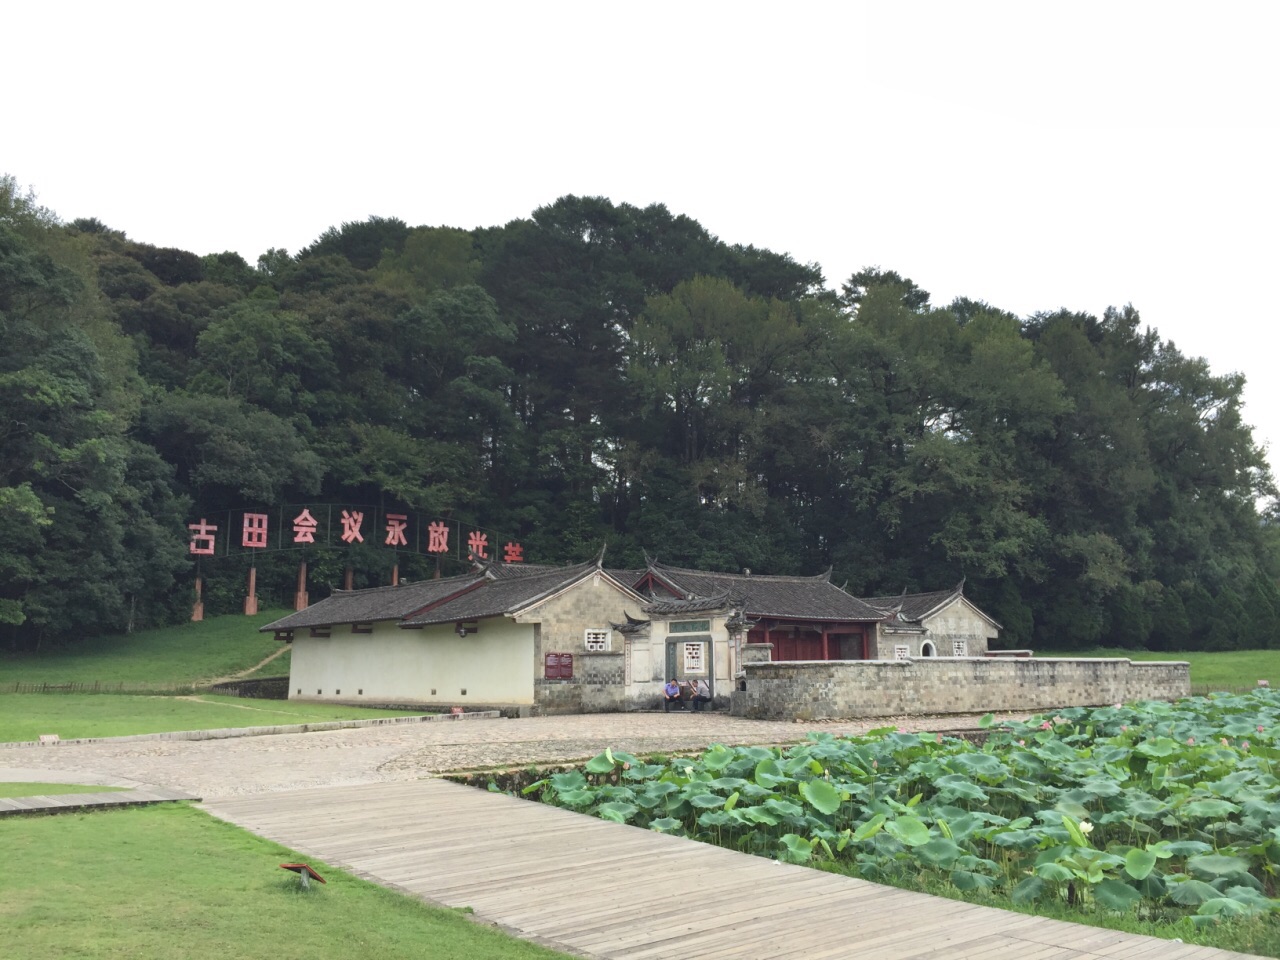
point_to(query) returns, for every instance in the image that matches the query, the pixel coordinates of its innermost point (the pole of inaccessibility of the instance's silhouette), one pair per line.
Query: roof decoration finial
(600, 556)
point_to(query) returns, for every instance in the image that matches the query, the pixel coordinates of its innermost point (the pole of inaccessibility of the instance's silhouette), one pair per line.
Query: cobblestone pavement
(249, 765)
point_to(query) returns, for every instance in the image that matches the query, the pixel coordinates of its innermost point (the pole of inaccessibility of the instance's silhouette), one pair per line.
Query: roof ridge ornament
(600, 556)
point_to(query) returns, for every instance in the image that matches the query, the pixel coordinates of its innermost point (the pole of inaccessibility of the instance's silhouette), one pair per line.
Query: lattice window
(694, 658)
(959, 648)
(901, 651)
(597, 641)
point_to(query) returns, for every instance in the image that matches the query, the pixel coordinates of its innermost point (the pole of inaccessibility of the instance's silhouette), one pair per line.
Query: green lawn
(182, 654)
(23, 789)
(1230, 670)
(171, 882)
(25, 716)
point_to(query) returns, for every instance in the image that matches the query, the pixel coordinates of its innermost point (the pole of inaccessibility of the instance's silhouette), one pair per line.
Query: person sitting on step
(701, 693)
(670, 695)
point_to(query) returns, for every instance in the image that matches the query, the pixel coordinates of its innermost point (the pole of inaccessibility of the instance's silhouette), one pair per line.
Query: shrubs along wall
(844, 689)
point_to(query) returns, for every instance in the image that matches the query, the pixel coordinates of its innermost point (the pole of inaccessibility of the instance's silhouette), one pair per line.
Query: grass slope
(25, 716)
(1227, 670)
(182, 654)
(174, 883)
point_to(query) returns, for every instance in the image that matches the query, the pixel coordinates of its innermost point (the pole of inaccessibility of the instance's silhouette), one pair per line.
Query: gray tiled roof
(914, 605)
(691, 605)
(373, 604)
(501, 596)
(800, 598)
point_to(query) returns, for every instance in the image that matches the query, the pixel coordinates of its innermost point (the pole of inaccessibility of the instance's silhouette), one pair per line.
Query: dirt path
(284, 648)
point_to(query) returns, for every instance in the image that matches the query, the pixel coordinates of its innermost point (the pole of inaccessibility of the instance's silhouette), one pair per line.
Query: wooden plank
(627, 894)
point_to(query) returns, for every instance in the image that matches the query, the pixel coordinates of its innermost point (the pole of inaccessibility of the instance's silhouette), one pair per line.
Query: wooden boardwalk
(68, 802)
(600, 889)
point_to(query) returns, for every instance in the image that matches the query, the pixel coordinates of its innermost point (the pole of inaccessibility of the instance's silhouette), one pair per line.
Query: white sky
(1029, 154)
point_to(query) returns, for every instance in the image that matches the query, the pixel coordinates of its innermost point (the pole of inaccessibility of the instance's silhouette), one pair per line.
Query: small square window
(597, 641)
(959, 648)
(901, 651)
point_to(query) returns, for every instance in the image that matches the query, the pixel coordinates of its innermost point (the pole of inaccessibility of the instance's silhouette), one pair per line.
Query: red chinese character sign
(298, 526)
(255, 530)
(304, 527)
(396, 523)
(203, 536)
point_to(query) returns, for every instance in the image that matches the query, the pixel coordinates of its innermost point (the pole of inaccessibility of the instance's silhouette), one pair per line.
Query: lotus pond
(1166, 812)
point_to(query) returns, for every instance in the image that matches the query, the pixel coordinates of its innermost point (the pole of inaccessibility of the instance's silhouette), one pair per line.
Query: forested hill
(602, 373)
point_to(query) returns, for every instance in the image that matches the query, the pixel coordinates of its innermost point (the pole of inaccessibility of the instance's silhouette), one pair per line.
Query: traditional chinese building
(945, 623)
(510, 635)
(580, 639)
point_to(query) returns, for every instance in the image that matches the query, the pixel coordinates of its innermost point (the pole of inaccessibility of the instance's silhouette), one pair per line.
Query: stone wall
(596, 686)
(842, 689)
(562, 622)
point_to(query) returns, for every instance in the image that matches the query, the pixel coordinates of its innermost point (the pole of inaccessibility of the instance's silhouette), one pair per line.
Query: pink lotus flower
(1245, 746)
(1259, 728)
(1022, 743)
(1046, 725)
(875, 764)
(1191, 741)
(938, 739)
(1224, 741)
(1124, 728)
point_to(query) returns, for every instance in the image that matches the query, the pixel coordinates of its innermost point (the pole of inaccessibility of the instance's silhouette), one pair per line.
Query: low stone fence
(851, 689)
(259, 688)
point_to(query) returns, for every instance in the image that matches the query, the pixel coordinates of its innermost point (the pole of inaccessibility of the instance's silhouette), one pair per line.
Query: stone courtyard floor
(251, 765)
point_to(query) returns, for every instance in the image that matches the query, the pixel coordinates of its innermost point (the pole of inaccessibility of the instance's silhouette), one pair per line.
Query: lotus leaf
(909, 831)
(968, 880)
(1204, 809)
(1159, 747)
(666, 825)
(958, 786)
(582, 797)
(617, 811)
(1018, 839)
(727, 783)
(1186, 848)
(759, 815)
(568, 781)
(661, 788)
(715, 818)
(717, 758)
(769, 774)
(795, 849)
(981, 765)
(1028, 890)
(821, 796)
(600, 763)
(1139, 863)
(706, 801)
(939, 852)
(870, 828)
(784, 808)
(1115, 895)
(1055, 872)
(1225, 907)
(1101, 787)
(1217, 865)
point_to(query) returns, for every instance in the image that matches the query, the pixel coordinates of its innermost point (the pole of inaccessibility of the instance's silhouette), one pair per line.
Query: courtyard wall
(850, 689)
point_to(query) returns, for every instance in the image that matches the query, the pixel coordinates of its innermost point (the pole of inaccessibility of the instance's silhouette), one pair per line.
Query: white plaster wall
(958, 620)
(494, 665)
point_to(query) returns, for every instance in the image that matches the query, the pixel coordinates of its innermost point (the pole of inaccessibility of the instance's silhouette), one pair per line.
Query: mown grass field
(182, 654)
(26, 716)
(1228, 670)
(171, 882)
